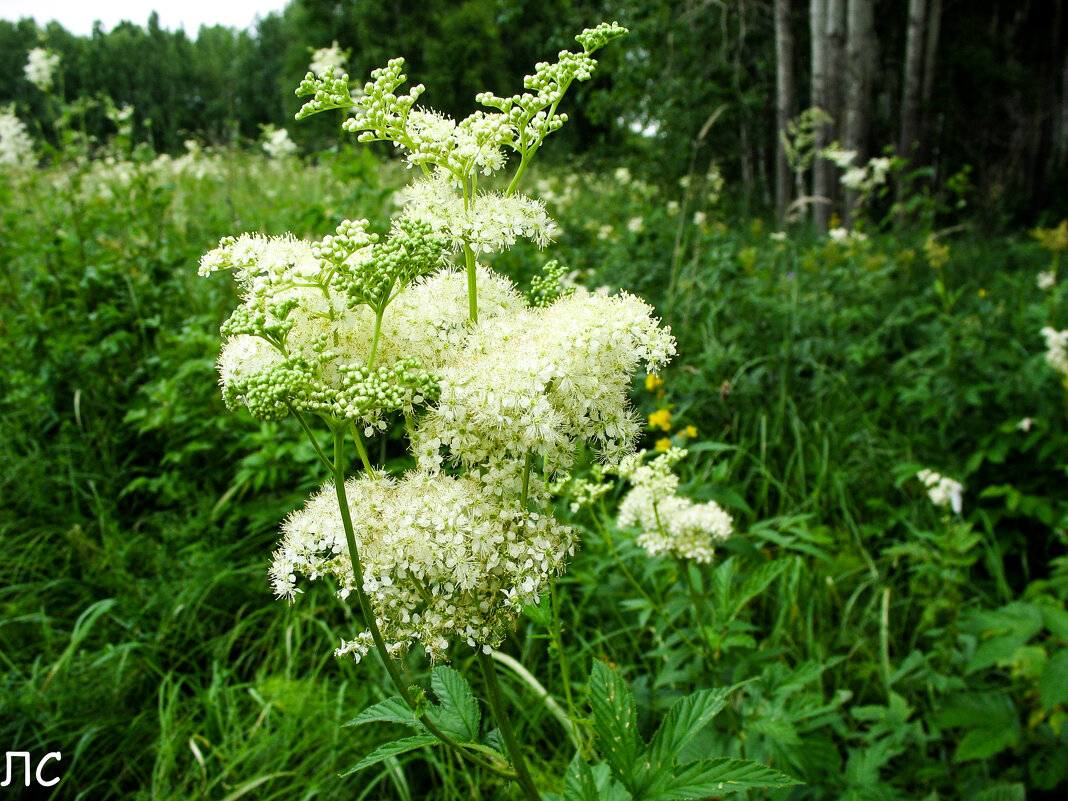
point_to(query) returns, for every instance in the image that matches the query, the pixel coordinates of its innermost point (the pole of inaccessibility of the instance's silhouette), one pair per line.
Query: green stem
(311, 436)
(557, 632)
(472, 284)
(360, 449)
(374, 338)
(658, 607)
(496, 701)
(369, 617)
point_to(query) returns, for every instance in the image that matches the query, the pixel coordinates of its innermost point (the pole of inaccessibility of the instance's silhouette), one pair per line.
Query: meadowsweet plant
(496, 392)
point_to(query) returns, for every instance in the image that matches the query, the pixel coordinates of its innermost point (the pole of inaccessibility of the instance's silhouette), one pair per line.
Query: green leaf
(985, 743)
(720, 776)
(1002, 792)
(615, 721)
(1056, 621)
(579, 782)
(392, 749)
(609, 789)
(756, 584)
(392, 710)
(458, 714)
(685, 719)
(1053, 686)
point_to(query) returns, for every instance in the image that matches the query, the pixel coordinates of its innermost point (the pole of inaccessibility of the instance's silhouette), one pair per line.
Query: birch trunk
(912, 83)
(861, 55)
(784, 102)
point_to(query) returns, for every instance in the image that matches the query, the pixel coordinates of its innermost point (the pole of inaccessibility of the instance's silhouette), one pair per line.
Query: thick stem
(369, 617)
(472, 284)
(496, 701)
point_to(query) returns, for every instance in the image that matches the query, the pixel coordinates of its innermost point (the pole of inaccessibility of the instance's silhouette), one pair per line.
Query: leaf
(757, 583)
(579, 782)
(607, 787)
(392, 710)
(720, 776)
(985, 743)
(685, 719)
(615, 721)
(1053, 686)
(392, 749)
(458, 714)
(1002, 792)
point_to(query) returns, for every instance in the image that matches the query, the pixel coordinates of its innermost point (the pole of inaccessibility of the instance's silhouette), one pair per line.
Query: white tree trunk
(784, 102)
(817, 25)
(912, 82)
(861, 55)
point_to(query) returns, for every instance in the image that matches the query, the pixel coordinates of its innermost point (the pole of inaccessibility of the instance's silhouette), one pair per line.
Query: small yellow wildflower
(835, 220)
(690, 432)
(663, 444)
(653, 382)
(1053, 239)
(982, 293)
(661, 419)
(937, 254)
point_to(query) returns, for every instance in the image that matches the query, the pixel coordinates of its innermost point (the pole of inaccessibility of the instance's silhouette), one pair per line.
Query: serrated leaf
(721, 776)
(609, 789)
(984, 743)
(1053, 686)
(615, 721)
(458, 714)
(579, 782)
(685, 719)
(392, 710)
(757, 583)
(392, 749)
(1056, 621)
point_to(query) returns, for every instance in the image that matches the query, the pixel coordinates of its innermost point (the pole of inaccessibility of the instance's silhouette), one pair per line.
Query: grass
(139, 638)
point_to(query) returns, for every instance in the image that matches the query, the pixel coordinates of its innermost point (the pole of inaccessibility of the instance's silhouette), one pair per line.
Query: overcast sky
(77, 16)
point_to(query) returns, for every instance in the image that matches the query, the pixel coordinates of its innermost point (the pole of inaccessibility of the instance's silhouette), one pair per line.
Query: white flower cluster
(40, 69)
(1046, 280)
(16, 147)
(488, 222)
(1056, 350)
(845, 236)
(942, 491)
(670, 524)
(542, 380)
(440, 559)
(865, 179)
(325, 58)
(276, 142)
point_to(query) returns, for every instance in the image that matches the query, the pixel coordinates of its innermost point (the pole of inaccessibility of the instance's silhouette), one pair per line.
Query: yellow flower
(663, 444)
(982, 293)
(661, 419)
(937, 253)
(653, 382)
(1053, 239)
(690, 432)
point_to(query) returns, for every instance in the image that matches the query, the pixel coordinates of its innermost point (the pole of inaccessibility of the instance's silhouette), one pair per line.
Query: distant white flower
(845, 236)
(635, 225)
(276, 142)
(672, 207)
(838, 157)
(1056, 349)
(1025, 424)
(699, 218)
(778, 236)
(1047, 279)
(326, 57)
(855, 178)
(16, 147)
(41, 67)
(622, 175)
(942, 491)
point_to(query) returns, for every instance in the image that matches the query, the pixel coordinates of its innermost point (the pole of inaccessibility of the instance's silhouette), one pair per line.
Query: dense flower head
(40, 69)
(941, 490)
(16, 147)
(670, 524)
(1056, 349)
(325, 58)
(488, 222)
(440, 559)
(276, 142)
(540, 381)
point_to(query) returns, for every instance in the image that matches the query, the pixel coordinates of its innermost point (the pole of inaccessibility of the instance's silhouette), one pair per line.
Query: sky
(77, 16)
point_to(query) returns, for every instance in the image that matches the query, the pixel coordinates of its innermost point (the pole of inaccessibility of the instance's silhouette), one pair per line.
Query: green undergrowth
(884, 647)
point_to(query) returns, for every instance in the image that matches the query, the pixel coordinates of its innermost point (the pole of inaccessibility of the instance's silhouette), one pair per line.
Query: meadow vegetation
(884, 639)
